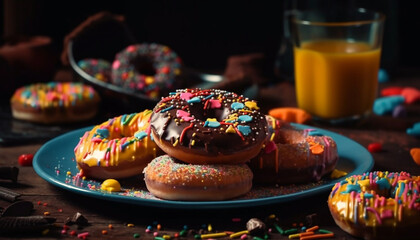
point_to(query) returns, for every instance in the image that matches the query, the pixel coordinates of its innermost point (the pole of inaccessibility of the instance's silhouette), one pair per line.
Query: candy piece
(399, 111)
(78, 219)
(255, 226)
(111, 185)
(25, 159)
(414, 130)
(338, 174)
(290, 114)
(391, 91)
(415, 153)
(410, 94)
(383, 76)
(374, 147)
(385, 105)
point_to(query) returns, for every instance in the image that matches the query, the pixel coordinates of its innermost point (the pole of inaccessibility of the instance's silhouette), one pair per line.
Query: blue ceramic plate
(55, 163)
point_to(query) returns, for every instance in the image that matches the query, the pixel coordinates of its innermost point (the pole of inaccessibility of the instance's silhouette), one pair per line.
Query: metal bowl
(187, 79)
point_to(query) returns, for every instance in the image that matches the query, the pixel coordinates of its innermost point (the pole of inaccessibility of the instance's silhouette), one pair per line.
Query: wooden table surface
(130, 221)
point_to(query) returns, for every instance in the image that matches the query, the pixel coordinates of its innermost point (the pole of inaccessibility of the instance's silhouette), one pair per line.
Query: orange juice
(336, 79)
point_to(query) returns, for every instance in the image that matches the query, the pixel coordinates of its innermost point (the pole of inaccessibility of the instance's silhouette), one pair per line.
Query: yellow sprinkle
(209, 228)
(68, 173)
(130, 225)
(154, 94)
(175, 143)
(251, 105)
(212, 119)
(364, 183)
(46, 213)
(149, 80)
(337, 174)
(213, 235)
(192, 142)
(233, 116)
(230, 129)
(247, 111)
(238, 234)
(272, 136)
(297, 235)
(46, 231)
(166, 236)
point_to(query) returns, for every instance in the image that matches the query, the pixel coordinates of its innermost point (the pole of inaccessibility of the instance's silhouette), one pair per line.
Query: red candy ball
(25, 159)
(374, 147)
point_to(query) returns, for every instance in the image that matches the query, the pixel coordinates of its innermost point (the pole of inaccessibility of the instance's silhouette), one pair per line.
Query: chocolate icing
(196, 133)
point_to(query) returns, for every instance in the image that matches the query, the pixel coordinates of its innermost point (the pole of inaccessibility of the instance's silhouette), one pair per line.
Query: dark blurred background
(204, 33)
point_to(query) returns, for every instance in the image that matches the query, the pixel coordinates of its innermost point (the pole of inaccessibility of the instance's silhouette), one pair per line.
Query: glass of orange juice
(336, 60)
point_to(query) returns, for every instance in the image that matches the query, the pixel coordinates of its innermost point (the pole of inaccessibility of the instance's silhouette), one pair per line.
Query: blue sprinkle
(414, 130)
(402, 188)
(213, 124)
(140, 135)
(102, 132)
(124, 145)
(383, 76)
(209, 96)
(123, 118)
(245, 118)
(237, 105)
(385, 105)
(194, 100)
(245, 130)
(352, 188)
(166, 109)
(26, 94)
(368, 195)
(383, 184)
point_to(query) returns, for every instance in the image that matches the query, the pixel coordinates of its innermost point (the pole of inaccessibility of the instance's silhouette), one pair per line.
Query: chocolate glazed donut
(208, 126)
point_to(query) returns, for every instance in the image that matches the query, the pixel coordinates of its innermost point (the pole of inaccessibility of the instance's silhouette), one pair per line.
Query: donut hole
(144, 65)
(217, 113)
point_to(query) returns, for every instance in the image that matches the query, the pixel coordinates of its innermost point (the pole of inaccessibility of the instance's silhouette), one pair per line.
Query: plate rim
(365, 166)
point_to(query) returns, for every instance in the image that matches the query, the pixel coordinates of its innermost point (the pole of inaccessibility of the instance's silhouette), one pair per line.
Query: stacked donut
(294, 155)
(118, 148)
(208, 137)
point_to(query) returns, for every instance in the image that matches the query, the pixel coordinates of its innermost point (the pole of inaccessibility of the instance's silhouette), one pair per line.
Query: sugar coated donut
(118, 148)
(147, 68)
(54, 102)
(168, 178)
(294, 155)
(208, 126)
(377, 205)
